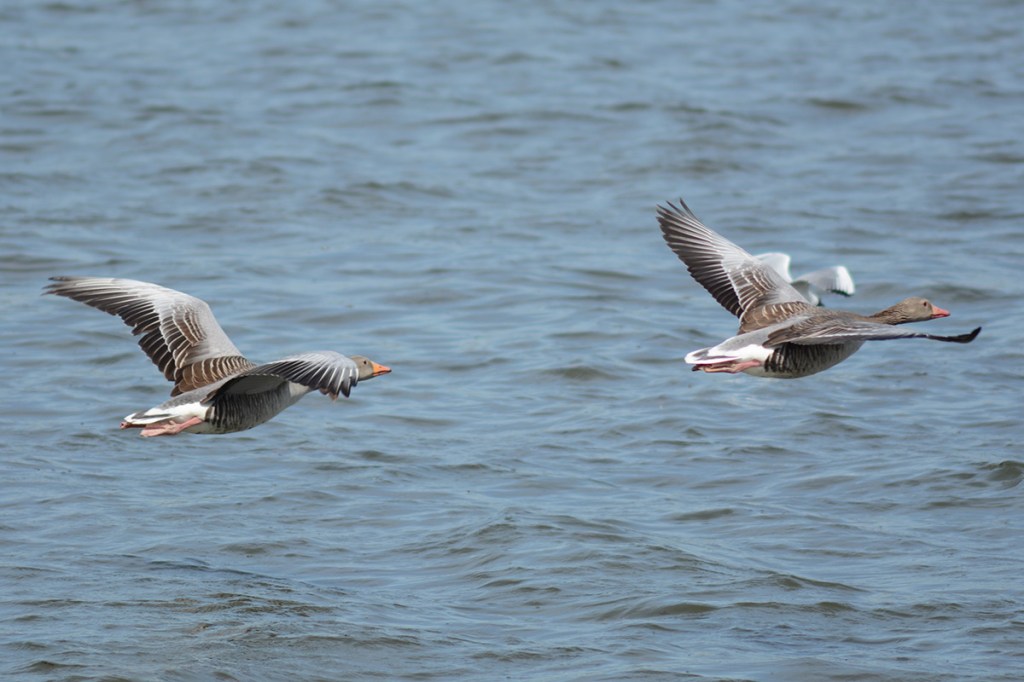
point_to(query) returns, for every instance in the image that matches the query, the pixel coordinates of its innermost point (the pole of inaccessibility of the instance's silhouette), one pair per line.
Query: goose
(813, 285)
(216, 389)
(781, 335)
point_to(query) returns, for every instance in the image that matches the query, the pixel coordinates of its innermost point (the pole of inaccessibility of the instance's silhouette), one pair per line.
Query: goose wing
(325, 371)
(737, 280)
(819, 330)
(178, 332)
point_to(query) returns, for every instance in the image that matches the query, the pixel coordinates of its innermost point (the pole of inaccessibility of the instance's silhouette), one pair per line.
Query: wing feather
(177, 332)
(736, 279)
(820, 330)
(836, 279)
(331, 373)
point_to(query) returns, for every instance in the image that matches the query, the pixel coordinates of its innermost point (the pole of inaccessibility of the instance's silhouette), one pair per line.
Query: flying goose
(781, 335)
(216, 389)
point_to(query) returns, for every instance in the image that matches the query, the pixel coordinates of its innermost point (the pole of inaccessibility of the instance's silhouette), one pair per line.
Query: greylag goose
(813, 285)
(216, 389)
(781, 335)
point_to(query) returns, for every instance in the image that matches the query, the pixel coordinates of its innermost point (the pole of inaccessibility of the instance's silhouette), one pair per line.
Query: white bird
(781, 335)
(813, 285)
(216, 389)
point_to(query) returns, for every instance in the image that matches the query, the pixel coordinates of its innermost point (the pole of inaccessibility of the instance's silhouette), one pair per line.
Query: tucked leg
(168, 428)
(732, 367)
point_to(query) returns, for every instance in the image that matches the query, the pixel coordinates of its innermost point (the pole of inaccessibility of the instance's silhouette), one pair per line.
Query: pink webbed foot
(167, 428)
(733, 367)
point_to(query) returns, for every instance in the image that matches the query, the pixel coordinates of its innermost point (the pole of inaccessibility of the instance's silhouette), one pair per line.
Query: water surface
(541, 490)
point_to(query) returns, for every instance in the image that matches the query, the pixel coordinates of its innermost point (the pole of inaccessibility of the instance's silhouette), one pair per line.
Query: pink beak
(939, 312)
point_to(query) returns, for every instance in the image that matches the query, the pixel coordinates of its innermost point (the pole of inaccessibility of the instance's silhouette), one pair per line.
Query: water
(541, 490)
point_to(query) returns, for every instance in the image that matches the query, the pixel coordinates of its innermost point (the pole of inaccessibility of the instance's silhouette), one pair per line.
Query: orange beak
(939, 312)
(381, 369)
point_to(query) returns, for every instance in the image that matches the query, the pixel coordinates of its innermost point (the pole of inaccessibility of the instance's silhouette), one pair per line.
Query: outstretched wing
(836, 279)
(325, 371)
(824, 330)
(779, 262)
(178, 332)
(738, 281)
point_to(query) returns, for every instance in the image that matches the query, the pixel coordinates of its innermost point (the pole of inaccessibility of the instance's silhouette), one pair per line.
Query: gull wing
(836, 279)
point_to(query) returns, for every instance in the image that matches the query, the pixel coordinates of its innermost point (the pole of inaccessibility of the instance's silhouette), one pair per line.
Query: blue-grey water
(541, 490)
